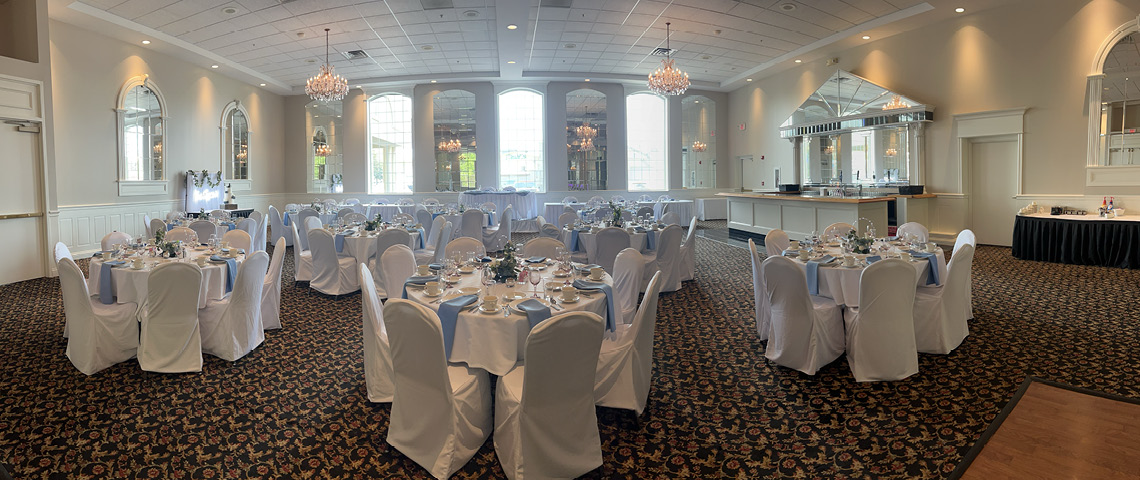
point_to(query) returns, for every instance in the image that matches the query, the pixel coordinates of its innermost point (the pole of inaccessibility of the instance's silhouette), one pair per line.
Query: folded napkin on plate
(106, 293)
(231, 270)
(587, 268)
(97, 254)
(932, 259)
(448, 313)
(435, 266)
(813, 273)
(418, 280)
(536, 259)
(609, 291)
(535, 311)
(485, 259)
(790, 253)
(873, 258)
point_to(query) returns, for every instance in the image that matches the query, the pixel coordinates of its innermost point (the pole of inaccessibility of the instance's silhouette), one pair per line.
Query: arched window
(390, 144)
(235, 142)
(521, 159)
(141, 118)
(645, 126)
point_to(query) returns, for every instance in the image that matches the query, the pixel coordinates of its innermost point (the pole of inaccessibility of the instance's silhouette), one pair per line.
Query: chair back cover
(398, 263)
(377, 355)
(542, 247)
(570, 199)
(384, 241)
(352, 201)
(271, 291)
(311, 223)
(237, 330)
(617, 199)
(262, 232)
(344, 212)
(464, 246)
(625, 371)
(157, 225)
(433, 202)
(423, 217)
(916, 229)
(327, 275)
(204, 229)
(170, 340)
(669, 258)
(248, 225)
(549, 230)
(645, 198)
(643, 212)
(799, 338)
(302, 220)
(471, 223)
(406, 201)
(219, 214)
(238, 239)
(256, 216)
(595, 200)
(328, 205)
(880, 337)
(277, 226)
(435, 229)
(759, 294)
(671, 218)
(604, 213)
(182, 234)
(96, 342)
(497, 239)
(955, 304)
(355, 217)
(609, 242)
(965, 237)
(629, 269)
(441, 243)
(403, 218)
(567, 218)
(627, 216)
(569, 209)
(775, 242)
(837, 229)
(302, 267)
(61, 252)
(689, 252)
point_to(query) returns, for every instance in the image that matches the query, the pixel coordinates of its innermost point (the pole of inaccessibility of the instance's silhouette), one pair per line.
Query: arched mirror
(698, 148)
(453, 113)
(1119, 124)
(235, 142)
(586, 140)
(323, 122)
(141, 115)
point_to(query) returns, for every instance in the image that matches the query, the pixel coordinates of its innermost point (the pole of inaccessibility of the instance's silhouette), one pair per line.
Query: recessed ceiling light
(570, 45)
(787, 7)
(146, 42)
(229, 10)
(427, 47)
(263, 84)
(470, 13)
(587, 79)
(512, 27)
(866, 37)
(360, 86)
(338, 116)
(433, 81)
(511, 61)
(799, 61)
(747, 79)
(959, 9)
(696, 101)
(213, 66)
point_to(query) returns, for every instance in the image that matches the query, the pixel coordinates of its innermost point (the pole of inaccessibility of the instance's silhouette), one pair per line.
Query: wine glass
(535, 278)
(488, 280)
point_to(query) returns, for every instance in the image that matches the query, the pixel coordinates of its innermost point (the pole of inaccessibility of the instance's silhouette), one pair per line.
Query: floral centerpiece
(860, 243)
(506, 267)
(373, 224)
(617, 213)
(316, 206)
(168, 249)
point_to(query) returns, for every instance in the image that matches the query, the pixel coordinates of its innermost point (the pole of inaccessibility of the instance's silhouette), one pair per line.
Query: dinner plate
(453, 279)
(467, 269)
(561, 273)
(514, 295)
(515, 304)
(426, 294)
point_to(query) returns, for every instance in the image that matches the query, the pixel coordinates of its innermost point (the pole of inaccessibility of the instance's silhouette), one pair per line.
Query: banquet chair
(256, 216)
(689, 252)
(966, 237)
(232, 327)
(658, 210)
(172, 215)
(61, 252)
(355, 218)
(496, 238)
(667, 259)
(181, 234)
(626, 215)
(219, 214)
(569, 200)
(170, 340)
(629, 269)
(300, 219)
(665, 198)
(405, 202)
(549, 230)
(837, 229)
(603, 213)
(404, 219)
(542, 247)
(806, 330)
(204, 229)
(471, 223)
(238, 239)
(940, 311)
(146, 226)
(775, 242)
(643, 212)
(913, 228)
(302, 259)
(431, 202)
(277, 227)
(617, 199)
(292, 207)
(344, 212)
(545, 421)
(441, 412)
(352, 201)
(423, 217)
(311, 223)
(100, 335)
(157, 225)
(595, 201)
(332, 274)
(625, 363)
(262, 231)
(329, 205)
(249, 226)
(880, 333)
(113, 238)
(567, 218)
(644, 198)
(607, 243)
(671, 218)
(569, 209)
(377, 352)
(385, 240)
(271, 290)
(760, 294)
(440, 231)
(464, 246)
(509, 188)
(398, 263)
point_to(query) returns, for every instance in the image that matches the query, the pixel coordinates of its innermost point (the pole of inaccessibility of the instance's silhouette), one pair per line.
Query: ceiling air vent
(555, 3)
(437, 4)
(661, 51)
(355, 54)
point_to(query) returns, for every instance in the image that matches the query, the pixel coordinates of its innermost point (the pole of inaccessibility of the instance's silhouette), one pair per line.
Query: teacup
(138, 263)
(597, 273)
(905, 256)
(106, 256)
(931, 246)
(201, 260)
(794, 245)
(423, 270)
(848, 261)
(569, 292)
(433, 288)
(553, 286)
(804, 255)
(490, 302)
(225, 245)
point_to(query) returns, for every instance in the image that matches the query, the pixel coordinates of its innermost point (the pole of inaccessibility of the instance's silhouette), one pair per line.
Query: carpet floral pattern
(296, 408)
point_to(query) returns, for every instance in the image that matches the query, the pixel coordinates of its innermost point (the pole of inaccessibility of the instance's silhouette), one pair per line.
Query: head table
(130, 285)
(841, 283)
(496, 341)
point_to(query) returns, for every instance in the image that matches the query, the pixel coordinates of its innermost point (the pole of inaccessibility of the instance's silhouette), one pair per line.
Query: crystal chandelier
(322, 150)
(326, 86)
(451, 146)
(668, 79)
(586, 145)
(895, 103)
(241, 156)
(699, 146)
(585, 131)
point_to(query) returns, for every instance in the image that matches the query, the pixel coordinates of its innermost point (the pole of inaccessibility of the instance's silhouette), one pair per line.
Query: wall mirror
(1119, 125)
(235, 145)
(141, 126)
(323, 122)
(698, 145)
(453, 113)
(586, 140)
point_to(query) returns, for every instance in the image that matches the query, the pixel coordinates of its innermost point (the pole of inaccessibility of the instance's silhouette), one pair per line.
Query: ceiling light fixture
(433, 81)
(213, 66)
(146, 42)
(959, 9)
(799, 61)
(668, 79)
(512, 27)
(747, 79)
(512, 62)
(866, 37)
(587, 79)
(699, 146)
(327, 86)
(263, 84)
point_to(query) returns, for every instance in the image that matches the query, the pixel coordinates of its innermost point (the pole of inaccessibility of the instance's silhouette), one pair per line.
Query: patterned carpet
(295, 407)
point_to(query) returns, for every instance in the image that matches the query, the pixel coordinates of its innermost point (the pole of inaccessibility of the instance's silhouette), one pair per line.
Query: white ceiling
(281, 42)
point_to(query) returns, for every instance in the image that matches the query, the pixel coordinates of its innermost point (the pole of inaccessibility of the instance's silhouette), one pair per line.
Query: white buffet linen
(130, 285)
(525, 203)
(841, 283)
(495, 342)
(712, 208)
(587, 240)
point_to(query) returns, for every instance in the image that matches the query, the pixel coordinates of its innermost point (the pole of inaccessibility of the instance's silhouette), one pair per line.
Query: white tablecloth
(587, 240)
(130, 285)
(495, 342)
(684, 208)
(326, 219)
(712, 208)
(842, 284)
(363, 248)
(525, 203)
(553, 210)
(388, 211)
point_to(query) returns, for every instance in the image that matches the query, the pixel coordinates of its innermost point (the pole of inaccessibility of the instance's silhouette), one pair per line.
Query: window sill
(134, 188)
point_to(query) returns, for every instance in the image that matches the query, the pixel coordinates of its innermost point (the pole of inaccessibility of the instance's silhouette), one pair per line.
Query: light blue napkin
(485, 259)
(418, 280)
(231, 270)
(587, 268)
(285, 219)
(422, 235)
(536, 259)
(338, 241)
(170, 226)
(651, 239)
(790, 253)
(573, 241)
(609, 291)
(435, 266)
(230, 225)
(873, 258)
(813, 273)
(932, 259)
(106, 294)
(448, 313)
(535, 311)
(657, 210)
(490, 219)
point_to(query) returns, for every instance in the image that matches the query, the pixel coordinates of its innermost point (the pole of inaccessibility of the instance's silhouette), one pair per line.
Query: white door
(993, 183)
(21, 211)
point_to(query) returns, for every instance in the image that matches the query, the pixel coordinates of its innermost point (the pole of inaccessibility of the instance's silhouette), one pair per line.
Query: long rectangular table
(1078, 239)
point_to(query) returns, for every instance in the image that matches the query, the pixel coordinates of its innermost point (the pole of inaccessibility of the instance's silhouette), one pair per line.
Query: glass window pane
(236, 145)
(698, 145)
(586, 140)
(521, 163)
(390, 144)
(645, 124)
(325, 156)
(142, 135)
(453, 114)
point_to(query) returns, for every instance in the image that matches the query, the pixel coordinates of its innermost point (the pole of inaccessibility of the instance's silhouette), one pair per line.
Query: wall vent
(355, 54)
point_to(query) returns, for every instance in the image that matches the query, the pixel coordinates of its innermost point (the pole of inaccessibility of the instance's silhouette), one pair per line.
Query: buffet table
(525, 204)
(1078, 239)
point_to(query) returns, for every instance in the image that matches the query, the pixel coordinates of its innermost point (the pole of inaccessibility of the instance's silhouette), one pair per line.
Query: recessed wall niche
(18, 32)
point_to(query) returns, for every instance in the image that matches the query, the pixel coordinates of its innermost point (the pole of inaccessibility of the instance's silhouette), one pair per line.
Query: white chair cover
(249, 226)
(837, 229)
(332, 274)
(603, 213)
(377, 354)
(488, 207)
(423, 217)
(607, 244)
(328, 205)
(595, 201)
(344, 212)
(940, 311)
(256, 216)
(567, 218)
(406, 201)
(645, 198)
(545, 421)
(61, 252)
(644, 212)
(441, 413)
(101, 335)
(181, 234)
(671, 218)
(157, 225)
(114, 238)
(170, 341)
(219, 214)
(549, 230)
(542, 247)
(966, 237)
(435, 253)
(807, 330)
(667, 259)
(625, 364)
(311, 223)
(300, 219)
(916, 229)
(355, 217)
(629, 268)
(238, 239)
(231, 327)
(271, 291)
(262, 231)
(302, 259)
(431, 201)
(496, 239)
(146, 226)
(463, 246)
(880, 333)
(775, 242)
(385, 240)
(569, 209)
(434, 230)
(352, 201)
(760, 295)
(689, 252)
(569, 200)
(204, 229)
(398, 263)
(471, 224)
(277, 227)
(626, 216)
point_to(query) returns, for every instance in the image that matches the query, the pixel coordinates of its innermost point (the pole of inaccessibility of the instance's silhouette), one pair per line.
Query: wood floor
(1060, 433)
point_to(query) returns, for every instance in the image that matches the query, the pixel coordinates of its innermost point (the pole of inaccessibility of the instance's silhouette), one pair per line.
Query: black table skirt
(1108, 243)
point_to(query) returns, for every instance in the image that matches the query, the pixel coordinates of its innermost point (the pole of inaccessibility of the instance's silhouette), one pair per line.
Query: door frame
(34, 114)
(987, 126)
(968, 167)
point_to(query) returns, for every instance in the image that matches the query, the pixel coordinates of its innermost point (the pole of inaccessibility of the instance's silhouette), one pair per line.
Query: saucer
(140, 267)
(468, 290)
(596, 279)
(574, 300)
(561, 273)
(453, 279)
(483, 308)
(514, 295)
(426, 294)
(467, 269)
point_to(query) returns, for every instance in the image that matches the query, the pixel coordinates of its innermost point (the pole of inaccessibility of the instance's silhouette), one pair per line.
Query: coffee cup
(201, 260)
(849, 261)
(490, 302)
(794, 245)
(225, 245)
(423, 270)
(905, 256)
(569, 292)
(931, 246)
(433, 288)
(597, 273)
(106, 256)
(804, 255)
(137, 263)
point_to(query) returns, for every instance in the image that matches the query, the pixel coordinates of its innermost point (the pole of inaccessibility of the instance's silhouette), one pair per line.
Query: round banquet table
(842, 284)
(387, 211)
(364, 247)
(524, 203)
(587, 240)
(130, 285)
(495, 342)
